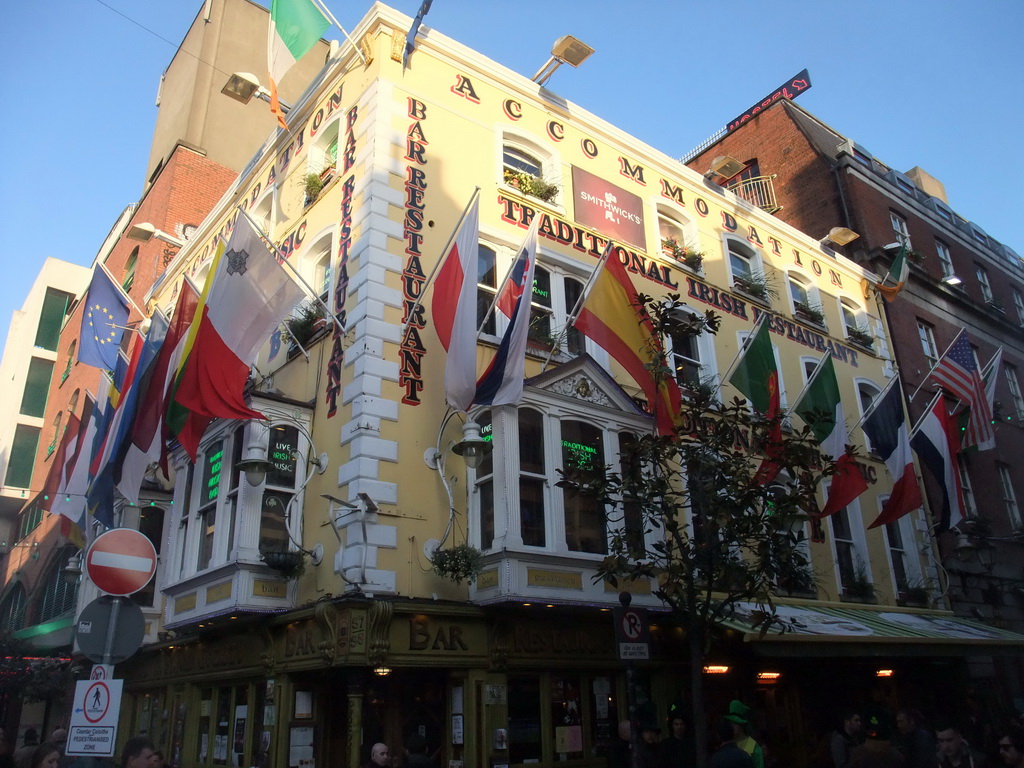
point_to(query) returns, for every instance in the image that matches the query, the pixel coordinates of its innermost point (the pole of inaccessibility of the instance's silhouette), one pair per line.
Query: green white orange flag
(757, 377)
(893, 282)
(295, 26)
(821, 408)
(248, 296)
(613, 317)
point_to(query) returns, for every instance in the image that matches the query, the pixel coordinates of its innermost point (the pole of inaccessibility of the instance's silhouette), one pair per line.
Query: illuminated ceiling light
(952, 280)
(883, 673)
(716, 669)
(768, 677)
(382, 671)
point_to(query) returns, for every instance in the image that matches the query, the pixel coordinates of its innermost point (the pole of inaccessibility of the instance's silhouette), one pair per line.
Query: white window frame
(906, 553)
(550, 161)
(970, 505)
(863, 386)
(318, 159)
(801, 285)
(672, 224)
(983, 282)
(926, 335)
(1018, 302)
(506, 472)
(857, 543)
(945, 258)
(1013, 384)
(1009, 497)
(739, 252)
(899, 226)
(706, 360)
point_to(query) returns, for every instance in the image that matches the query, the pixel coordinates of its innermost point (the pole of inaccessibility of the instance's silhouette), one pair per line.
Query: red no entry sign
(121, 561)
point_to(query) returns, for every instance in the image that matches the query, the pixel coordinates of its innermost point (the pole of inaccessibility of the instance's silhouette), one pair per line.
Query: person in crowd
(416, 752)
(649, 751)
(380, 756)
(846, 737)
(954, 751)
(47, 755)
(620, 753)
(6, 753)
(742, 731)
(877, 751)
(158, 761)
(677, 749)
(913, 740)
(23, 754)
(1011, 747)
(729, 754)
(138, 752)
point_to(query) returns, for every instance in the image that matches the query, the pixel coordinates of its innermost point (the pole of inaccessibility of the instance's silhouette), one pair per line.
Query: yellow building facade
(353, 638)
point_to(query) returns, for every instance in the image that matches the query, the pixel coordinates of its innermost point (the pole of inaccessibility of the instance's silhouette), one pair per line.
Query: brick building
(815, 178)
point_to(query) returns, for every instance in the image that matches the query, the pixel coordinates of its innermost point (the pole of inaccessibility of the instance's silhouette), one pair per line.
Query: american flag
(957, 373)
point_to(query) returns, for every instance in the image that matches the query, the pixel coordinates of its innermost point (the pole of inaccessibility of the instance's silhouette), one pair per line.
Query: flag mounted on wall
(295, 26)
(104, 317)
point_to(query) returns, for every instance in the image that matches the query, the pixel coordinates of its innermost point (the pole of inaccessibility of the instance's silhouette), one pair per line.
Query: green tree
(721, 536)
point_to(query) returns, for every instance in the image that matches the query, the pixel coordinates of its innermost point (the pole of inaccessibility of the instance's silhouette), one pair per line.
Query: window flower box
(531, 185)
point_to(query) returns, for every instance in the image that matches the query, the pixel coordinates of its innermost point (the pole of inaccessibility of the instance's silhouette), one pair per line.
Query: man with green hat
(739, 716)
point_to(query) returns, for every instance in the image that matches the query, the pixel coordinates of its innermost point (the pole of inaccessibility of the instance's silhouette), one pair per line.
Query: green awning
(870, 630)
(51, 634)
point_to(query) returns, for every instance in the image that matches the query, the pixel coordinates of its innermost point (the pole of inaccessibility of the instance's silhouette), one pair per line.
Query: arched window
(59, 595)
(12, 609)
(867, 393)
(806, 303)
(486, 288)
(129, 270)
(71, 360)
(678, 239)
(528, 166)
(691, 355)
(73, 402)
(746, 270)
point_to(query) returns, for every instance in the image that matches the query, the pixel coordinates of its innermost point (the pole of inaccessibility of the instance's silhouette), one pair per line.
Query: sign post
(93, 727)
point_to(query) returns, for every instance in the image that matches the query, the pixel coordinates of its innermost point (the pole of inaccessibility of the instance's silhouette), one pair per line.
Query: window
(129, 270)
(927, 336)
(22, 456)
(545, 434)
(57, 421)
(29, 520)
(529, 167)
(55, 308)
(279, 488)
(945, 259)
(691, 355)
(677, 238)
(806, 304)
(978, 234)
(899, 226)
(12, 609)
(1009, 497)
(905, 185)
(986, 288)
(151, 525)
(73, 401)
(942, 210)
(906, 570)
(852, 326)
(487, 289)
(323, 155)
(212, 462)
(58, 594)
(1013, 384)
(37, 385)
(746, 269)
(867, 393)
(71, 361)
(1018, 302)
(518, 160)
(848, 551)
(970, 506)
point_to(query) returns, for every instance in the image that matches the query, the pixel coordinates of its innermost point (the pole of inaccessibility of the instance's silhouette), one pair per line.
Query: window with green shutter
(51, 318)
(37, 385)
(23, 454)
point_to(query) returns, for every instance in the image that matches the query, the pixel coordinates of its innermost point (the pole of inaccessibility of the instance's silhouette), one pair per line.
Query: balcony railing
(759, 191)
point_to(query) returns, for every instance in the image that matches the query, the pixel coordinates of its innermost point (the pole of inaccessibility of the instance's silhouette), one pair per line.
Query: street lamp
(242, 86)
(144, 232)
(566, 50)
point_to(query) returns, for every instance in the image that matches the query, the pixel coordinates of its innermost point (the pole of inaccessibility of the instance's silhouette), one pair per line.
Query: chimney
(928, 183)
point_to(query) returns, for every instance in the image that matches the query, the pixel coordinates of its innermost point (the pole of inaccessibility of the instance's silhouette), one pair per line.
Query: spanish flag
(613, 317)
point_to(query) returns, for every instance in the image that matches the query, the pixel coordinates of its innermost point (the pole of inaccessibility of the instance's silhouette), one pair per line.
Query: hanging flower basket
(288, 563)
(457, 563)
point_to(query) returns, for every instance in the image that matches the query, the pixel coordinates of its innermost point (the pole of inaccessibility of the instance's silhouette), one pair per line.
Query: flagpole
(571, 320)
(121, 290)
(501, 287)
(743, 348)
(437, 265)
(941, 358)
(327, 12)
(311, 294)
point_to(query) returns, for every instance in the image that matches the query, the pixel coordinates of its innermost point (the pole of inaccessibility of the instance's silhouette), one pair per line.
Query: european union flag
(103, 321)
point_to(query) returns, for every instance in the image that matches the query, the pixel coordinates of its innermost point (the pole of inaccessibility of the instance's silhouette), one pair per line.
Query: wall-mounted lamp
(839, 236)
(952, 280)
(964, 549)
(566, 50)
(242, 86)
(724, 167)
(145, 232)
(472, 448)
(73, 570)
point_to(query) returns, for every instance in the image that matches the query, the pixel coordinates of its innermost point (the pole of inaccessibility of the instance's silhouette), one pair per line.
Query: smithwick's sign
(608, 209)
(788, 90)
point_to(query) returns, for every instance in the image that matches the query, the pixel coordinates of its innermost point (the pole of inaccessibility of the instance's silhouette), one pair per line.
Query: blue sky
(917, 82)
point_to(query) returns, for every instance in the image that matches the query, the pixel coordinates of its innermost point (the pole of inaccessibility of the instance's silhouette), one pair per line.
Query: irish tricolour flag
(295, 26)
(822, 410)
